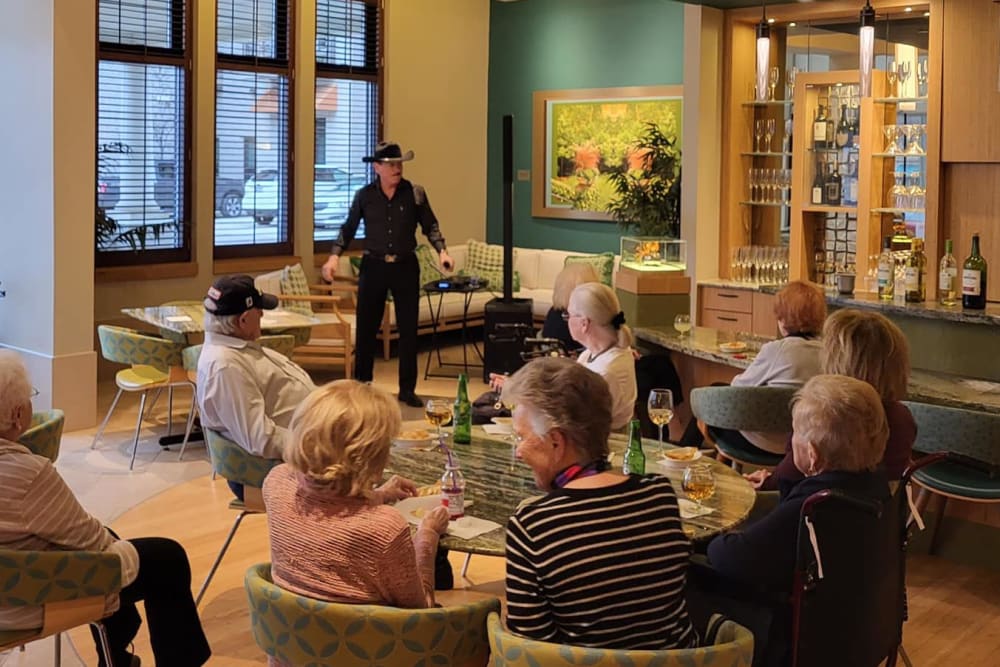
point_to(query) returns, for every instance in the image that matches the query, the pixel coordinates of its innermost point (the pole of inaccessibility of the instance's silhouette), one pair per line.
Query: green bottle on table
(462, 433)
(635, 460)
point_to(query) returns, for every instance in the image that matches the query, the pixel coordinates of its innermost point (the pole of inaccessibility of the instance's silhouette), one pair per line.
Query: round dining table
(496, 483)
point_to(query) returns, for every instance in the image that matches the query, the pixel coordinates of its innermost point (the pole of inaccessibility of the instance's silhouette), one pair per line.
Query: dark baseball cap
(235, 295)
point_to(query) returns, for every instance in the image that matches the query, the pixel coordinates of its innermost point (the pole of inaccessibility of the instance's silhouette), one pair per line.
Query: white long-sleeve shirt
(38, 512)
(248, 393)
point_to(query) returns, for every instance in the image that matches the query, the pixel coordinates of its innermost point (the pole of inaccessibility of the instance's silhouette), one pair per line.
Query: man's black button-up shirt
(390, 224)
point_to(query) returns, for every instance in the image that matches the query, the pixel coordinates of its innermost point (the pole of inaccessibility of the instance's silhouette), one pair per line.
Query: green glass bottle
(462, 434)
(974, 279)
(635, 460)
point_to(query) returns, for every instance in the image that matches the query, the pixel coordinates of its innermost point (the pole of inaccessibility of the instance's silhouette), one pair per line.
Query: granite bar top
(925, 386)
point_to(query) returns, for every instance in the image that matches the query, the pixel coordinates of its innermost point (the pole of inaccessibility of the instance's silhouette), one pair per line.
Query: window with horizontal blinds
(253, 212)
(348, 77)
(143, 112)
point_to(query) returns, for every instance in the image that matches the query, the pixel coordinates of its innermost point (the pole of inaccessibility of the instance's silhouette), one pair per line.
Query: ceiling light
(866, 51)
(763, 54)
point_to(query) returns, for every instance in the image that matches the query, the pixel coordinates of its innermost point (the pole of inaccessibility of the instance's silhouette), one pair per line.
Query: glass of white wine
(699, 482)
(682, 324)
(438, 412)
(661, 409)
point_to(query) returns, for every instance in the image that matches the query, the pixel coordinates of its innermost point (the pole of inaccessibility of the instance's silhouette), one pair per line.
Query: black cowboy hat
(386, 151)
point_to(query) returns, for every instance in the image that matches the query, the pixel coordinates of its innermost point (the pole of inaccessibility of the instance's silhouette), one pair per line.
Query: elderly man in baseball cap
(246, 392)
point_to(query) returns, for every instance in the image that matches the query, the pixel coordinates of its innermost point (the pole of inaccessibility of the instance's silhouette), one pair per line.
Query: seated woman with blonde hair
(332, 535)
(869, 347)
(556, 326)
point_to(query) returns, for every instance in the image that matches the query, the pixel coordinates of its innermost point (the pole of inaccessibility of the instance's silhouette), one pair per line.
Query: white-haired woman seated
(602, 559)
(38, 512)
(332, 535)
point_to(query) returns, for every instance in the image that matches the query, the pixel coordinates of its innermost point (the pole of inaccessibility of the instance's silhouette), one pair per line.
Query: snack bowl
(678, 458)
(413, 438)
(735, 346)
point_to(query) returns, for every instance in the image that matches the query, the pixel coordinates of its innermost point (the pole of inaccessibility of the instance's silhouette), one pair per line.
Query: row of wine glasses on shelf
(764, 265)
(770, 186)
(904, 139)
(765, 128)
(900, 71)
(772, 82)
(906, 196)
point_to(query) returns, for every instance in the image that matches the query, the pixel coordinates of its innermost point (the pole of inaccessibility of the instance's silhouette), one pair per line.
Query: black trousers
(376, 278)
(164, 585)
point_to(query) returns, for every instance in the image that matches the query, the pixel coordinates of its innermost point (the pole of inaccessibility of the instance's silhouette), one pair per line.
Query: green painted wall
(556, 44)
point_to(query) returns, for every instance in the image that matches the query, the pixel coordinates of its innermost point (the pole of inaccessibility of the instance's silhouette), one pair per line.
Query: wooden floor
(955, 610)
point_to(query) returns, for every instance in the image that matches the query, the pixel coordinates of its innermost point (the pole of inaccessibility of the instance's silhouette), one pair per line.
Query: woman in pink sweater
(332, 535)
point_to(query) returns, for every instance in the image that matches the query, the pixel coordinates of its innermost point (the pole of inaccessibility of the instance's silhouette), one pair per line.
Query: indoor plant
(649, 186)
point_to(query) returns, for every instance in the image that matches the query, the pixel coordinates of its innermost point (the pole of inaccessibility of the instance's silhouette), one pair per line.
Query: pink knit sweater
(344, 549)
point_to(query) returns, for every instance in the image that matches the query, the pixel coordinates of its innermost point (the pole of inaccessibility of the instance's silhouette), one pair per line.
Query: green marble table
(189, 318)
(496, 484)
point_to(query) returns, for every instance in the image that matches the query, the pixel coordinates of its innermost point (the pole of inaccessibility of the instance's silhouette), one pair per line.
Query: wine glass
(661, 404)
(903, 72)
(772, 81)
(758, 132)
(438, 412)
(682, 324)
(890, 139)
(790, 75)
(699, 482)
(922, 77)
(890, 75)
(769, 129)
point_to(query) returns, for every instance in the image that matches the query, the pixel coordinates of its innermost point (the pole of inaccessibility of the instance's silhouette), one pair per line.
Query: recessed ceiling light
(927, 14)
(792, 24)
(770, 20)
(908, 9)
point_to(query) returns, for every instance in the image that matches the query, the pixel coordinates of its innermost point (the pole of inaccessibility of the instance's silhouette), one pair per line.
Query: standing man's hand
(330, 268)
(445, 260)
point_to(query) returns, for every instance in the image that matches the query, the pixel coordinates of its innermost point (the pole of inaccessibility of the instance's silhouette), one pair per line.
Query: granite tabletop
(189, 318)
(925, 386)
(496, 483)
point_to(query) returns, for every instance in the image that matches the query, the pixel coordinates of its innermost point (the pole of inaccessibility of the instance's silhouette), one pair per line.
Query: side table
(466, 289)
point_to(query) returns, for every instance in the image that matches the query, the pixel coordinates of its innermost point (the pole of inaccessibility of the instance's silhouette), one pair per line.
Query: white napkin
(179, 318)
(497, 429)
(981, 386)
(469, 526)
(690, 510)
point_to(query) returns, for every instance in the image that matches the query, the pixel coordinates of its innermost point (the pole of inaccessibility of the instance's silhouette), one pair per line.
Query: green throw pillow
(604, 264)
(294, 282)
(486, 261)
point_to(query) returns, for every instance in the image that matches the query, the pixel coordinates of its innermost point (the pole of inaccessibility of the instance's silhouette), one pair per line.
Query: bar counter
(925, 386)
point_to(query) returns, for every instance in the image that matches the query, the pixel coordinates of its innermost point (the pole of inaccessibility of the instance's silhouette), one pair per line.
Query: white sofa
(537, 269)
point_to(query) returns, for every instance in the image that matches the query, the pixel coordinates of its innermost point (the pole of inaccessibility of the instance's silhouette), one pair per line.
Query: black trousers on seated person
(164, 586)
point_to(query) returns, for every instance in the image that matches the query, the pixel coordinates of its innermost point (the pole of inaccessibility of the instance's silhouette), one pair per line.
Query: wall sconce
(866, 57)
(763, 54)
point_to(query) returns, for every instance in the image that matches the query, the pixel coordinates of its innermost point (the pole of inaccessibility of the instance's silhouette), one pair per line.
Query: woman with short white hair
(597, 322)
(332, 535)
(38, 512)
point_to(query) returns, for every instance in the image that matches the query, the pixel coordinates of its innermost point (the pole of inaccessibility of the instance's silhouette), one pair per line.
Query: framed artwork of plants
(590, 146)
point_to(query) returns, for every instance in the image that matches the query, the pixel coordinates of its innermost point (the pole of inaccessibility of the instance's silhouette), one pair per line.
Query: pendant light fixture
(763, 53)
(867, 48)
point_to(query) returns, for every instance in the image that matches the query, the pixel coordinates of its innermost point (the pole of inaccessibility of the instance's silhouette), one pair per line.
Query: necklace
(594, 356)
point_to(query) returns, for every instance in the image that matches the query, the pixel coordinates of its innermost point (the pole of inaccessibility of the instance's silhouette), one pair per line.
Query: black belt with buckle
(388, 259)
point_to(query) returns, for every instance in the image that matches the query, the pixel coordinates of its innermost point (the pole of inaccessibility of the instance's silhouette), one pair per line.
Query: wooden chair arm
(311, 298)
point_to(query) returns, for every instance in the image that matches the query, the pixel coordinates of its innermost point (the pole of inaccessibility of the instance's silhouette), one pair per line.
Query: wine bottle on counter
(886, 271)
(948, 277)
(974, 279)
(818, 185)
(916, 273)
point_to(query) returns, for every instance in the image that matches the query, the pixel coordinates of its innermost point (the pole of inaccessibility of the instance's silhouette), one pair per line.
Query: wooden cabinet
(736, 309)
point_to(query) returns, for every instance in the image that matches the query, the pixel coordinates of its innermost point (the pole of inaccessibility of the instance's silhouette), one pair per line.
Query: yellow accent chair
(235, 464)
(69, 586)
(44, 435)
(304, 631)
(154, 363)
(733, 647)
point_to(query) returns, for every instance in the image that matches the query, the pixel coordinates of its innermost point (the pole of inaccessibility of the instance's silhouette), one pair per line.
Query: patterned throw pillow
(427, 259)
(293, 281)
(604, 264)
(486, 261)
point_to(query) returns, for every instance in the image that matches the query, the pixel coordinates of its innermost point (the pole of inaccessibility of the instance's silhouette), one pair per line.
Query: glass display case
(653, 254)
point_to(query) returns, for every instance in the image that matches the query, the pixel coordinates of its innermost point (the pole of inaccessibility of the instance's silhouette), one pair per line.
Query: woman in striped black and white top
(601, 560)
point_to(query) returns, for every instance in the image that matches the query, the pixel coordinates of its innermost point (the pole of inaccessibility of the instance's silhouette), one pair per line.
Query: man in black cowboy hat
(392, 207)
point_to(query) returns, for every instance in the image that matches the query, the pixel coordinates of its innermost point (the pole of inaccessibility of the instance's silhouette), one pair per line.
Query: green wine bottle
(974, 279)
(635, 460)
(462, 434)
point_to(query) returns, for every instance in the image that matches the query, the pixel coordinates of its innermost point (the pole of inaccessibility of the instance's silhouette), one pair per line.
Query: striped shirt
(601, 567)
(38, 512)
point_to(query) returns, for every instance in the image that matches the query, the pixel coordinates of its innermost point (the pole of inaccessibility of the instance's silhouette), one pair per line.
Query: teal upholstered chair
(69, 586)
(733, 647)
(44, 434)
(154, 363)
(763, 409)
(235, 464)
(190, 355)
(972, 470)
(304, 631)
